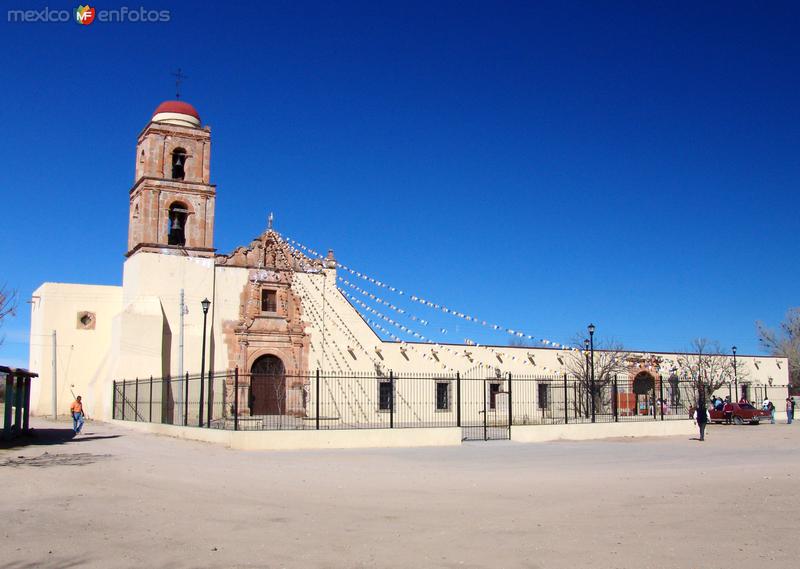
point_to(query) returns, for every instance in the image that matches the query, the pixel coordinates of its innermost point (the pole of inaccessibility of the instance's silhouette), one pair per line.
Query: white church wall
(229, 284)
(138, 339)
(83, 352)
(163, 276)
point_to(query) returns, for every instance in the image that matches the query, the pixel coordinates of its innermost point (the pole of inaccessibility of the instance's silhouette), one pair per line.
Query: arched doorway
(644, 387)
(267, 386)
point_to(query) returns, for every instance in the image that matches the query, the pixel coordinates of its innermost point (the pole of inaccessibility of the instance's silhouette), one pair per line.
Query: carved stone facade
(270, 319)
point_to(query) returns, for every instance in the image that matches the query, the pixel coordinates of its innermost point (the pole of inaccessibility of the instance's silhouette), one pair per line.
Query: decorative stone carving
(280, 332)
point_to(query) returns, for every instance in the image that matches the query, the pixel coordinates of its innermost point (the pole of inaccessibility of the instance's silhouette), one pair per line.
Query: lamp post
(586, 355)
(735, 378)
(591, 329)
(205, 304)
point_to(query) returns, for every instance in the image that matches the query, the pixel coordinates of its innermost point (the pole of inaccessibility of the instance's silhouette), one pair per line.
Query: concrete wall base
(589, 431)
(305, 440)
(393, 438)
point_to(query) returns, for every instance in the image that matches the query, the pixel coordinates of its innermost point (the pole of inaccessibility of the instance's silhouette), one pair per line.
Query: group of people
(702, 417)
(769, 407)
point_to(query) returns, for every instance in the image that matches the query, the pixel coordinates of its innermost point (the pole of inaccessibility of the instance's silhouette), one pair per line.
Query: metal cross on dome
(270, 219)
(179, 76)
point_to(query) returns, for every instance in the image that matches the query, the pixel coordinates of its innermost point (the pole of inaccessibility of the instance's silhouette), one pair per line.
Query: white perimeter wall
(83, 356)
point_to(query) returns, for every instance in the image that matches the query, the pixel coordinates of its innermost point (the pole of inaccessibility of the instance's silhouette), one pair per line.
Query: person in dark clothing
(701, 418)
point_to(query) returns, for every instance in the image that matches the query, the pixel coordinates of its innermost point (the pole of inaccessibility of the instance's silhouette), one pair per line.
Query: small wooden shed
(15, 388)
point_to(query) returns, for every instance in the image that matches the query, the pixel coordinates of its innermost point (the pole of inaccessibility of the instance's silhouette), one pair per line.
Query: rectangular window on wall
(543, 392)
(269, 300)
(443, 396)
(384, 396)
(494, 389)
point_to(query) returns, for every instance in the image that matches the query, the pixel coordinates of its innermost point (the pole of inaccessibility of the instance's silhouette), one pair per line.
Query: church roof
(177, 112)
(181, 107)
(269, 251)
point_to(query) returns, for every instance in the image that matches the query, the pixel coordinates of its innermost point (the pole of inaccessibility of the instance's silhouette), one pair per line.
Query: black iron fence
(485, 407)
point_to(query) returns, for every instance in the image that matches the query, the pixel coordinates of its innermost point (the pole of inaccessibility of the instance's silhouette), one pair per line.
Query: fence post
(186, 402)
(615, 401)
(136, 401)
(661, 389)
(566, 401)
(210, 391)
(236, 398)
(391, 399)
(510, 408)
(316, 401)
(150, 418)
(576, 402)
(123, 399)
(485, 434)
(458, 399)
(114, 400)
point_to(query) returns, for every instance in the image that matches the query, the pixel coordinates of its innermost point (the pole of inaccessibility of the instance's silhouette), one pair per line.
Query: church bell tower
(172, 199)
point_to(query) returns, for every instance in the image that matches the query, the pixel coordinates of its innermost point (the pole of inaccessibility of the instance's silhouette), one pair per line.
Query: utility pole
(180, 338)
(55, 379)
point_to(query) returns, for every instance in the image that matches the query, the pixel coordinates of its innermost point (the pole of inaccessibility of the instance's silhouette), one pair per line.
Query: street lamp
(591, 329)
(205, 303)
(586, 355)
(735, 378)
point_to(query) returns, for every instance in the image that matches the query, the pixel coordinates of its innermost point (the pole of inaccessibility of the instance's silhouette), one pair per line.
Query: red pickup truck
(740, 414)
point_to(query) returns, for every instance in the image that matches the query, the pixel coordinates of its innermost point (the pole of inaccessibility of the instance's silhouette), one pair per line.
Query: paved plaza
(116, 498)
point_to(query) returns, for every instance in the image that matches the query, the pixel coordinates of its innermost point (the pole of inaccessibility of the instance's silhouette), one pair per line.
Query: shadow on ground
(43, 437)
(46, 459)
(55, 564)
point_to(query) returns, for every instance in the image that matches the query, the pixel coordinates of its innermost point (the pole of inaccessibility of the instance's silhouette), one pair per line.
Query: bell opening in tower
(178, 164)
(177, 224)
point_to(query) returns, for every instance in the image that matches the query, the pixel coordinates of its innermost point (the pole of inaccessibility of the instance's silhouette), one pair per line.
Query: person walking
(701, 418)
(789, 410)
(76, 409)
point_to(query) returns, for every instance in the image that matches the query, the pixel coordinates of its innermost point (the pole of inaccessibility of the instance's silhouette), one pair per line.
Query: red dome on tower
(178, 107)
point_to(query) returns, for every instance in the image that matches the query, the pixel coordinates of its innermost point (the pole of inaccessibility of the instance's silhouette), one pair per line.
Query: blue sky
(540, 165)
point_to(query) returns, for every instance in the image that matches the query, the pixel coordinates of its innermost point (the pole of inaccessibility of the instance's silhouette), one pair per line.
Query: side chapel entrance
(644, 389)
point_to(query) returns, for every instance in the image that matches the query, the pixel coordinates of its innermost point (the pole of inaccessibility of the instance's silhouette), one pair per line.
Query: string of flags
(433, 347)
(349, 333)
(423, 301)
(383, 301)
(428, 353)
(382, 316)
(308, 302)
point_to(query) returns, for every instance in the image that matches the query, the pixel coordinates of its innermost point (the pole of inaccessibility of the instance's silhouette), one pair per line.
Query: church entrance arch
(644, 389)
(268, 386)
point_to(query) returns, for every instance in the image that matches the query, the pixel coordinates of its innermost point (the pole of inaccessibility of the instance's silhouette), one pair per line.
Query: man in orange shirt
(76, 409)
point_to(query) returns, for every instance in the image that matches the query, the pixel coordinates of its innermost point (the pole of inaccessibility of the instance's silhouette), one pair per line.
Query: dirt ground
(116, 498)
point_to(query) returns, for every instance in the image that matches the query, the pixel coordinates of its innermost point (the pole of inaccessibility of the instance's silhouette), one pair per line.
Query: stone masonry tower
(172, 201)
